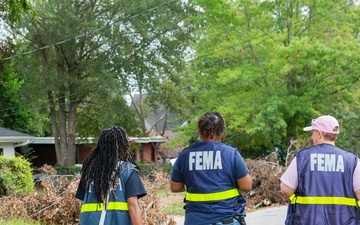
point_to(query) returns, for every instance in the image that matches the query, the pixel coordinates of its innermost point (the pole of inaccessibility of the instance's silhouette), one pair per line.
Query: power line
(88, 33)
(134, 16)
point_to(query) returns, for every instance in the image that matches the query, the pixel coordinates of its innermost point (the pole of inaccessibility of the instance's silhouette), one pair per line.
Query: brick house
(44, 149)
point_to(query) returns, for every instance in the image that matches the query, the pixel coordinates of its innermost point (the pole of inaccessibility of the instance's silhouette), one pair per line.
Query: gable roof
(11, 133)
(7, 135)
(155, 120)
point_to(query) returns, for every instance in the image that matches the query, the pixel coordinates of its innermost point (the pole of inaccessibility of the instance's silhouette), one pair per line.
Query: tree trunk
(54, 125)
(62, 127)
(71, 150)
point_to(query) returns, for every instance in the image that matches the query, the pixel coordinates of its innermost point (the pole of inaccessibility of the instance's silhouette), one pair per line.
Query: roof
(141, 140)
(7, 135)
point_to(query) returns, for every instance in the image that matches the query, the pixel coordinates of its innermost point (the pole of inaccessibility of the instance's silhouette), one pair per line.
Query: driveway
(268, 216)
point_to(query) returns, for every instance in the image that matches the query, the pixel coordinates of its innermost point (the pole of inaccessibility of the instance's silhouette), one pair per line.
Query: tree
(270, 67)
(150, 58)
(86, 54)
(15, 9)
(64, 74)
(15, 114)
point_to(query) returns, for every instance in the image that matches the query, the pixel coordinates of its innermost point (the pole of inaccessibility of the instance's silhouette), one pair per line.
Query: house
(9, 140)
(44, 149)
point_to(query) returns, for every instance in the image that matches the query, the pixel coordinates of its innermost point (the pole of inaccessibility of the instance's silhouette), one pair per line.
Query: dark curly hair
(211, 124)
(101, 166)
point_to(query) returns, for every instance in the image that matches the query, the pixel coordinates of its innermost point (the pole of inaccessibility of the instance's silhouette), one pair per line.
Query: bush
(68, 170)
(53, 202)
(15, 176)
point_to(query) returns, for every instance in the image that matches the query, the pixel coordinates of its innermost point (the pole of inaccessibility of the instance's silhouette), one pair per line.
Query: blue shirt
(209, 167)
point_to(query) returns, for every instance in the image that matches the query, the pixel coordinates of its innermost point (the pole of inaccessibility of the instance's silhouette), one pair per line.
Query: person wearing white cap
(323, 181)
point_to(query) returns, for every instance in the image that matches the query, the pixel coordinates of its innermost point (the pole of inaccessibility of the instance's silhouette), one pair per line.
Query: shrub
(68, 170)
(53, 201)
(15, 176)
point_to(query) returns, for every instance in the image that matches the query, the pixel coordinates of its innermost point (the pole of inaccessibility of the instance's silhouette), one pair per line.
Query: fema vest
(325, 192)
(117, 209)
(210, 180)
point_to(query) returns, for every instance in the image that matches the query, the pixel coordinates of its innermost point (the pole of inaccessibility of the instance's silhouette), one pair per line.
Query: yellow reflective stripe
(320, 200)
(93, 207)
(217, 196)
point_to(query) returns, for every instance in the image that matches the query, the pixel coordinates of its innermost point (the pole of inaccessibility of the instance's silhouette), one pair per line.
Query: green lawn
(176, 207)
(17, 222)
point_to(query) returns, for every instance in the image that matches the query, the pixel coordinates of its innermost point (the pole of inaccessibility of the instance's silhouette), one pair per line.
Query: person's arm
(357, 195)
(243, 179)
(80, 192)
(356, 181)
(244, 183)
(286, 190)
(177, 186)
(289, 180)
(134, 210)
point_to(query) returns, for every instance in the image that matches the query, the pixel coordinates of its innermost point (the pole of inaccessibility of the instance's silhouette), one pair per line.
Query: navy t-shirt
(185, 165)
(134, 187)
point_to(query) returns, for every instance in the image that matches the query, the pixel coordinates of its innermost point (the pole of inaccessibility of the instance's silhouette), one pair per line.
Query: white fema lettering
(327, 162)
(205, 160)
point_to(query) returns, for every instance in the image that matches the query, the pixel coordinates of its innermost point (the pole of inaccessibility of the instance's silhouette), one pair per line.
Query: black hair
(102, 164)
(210, 124)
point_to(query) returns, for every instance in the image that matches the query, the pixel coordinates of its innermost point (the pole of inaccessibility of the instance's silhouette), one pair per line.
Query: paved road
(268, 216)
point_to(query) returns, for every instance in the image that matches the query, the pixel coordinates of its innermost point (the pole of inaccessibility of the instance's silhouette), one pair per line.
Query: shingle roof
(10, 133)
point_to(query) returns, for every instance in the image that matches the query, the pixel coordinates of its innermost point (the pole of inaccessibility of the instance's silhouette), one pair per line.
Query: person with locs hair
(323, 181)
(212, 174)
(110, 184)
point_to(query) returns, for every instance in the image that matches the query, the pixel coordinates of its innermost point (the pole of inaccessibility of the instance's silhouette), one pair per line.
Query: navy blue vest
(117, 212)
(325, 192)
(210, 182)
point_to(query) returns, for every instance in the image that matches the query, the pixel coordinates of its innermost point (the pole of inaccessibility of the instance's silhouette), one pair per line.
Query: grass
(162, 192)
(175, 208)
(18, 221)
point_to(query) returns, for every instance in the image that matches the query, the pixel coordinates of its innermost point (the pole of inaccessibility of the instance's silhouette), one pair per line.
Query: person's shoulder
(226, 145)
(191, 146)
(348, 152)
(304, 150)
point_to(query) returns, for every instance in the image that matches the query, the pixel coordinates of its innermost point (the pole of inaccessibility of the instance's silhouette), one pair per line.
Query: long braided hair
(101, 166)
(211, 124)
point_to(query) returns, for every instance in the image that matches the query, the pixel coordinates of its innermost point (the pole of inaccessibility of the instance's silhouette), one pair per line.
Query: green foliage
(16, 8)
(92, 55)
(67, 170)
(270, 68)
(15, 176)
(27, 153)
(15, 113)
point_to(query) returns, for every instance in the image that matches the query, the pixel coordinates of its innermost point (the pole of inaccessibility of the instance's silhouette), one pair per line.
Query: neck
(207, 139)
(325, 142)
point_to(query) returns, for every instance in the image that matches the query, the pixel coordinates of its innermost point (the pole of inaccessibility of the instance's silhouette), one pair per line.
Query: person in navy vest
(212, 174)
(110, 184)
(323, 181)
